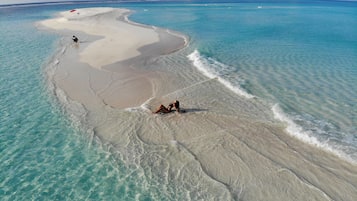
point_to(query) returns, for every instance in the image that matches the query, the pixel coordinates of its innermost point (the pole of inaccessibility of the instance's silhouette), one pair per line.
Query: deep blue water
(301, 59)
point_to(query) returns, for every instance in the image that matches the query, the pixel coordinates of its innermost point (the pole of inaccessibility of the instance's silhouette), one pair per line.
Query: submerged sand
(211, 152)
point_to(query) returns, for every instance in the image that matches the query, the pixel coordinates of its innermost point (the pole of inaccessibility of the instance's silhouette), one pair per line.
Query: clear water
(302, 59)
(45, 154)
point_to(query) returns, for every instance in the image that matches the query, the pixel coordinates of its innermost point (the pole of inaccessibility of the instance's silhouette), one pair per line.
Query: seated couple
(163, 109)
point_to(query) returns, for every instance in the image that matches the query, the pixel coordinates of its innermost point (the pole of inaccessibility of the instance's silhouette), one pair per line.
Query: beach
(230, 148)
(132, 40)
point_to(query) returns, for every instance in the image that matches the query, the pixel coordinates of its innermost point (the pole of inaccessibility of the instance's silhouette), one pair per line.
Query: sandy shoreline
(105, 50)
(212, 152)
(108, 41)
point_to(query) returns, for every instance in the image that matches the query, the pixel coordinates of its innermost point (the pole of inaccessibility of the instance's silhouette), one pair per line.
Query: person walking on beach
(75, 39)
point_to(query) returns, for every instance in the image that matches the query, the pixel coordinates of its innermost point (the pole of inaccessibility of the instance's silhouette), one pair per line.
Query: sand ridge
(120, 40)
(223, 148)
(101, 67)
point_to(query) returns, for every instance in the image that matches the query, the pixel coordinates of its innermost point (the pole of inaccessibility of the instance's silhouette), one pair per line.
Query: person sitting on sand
(163, 109)
(171, 105)
(177, 105)
(75, 39)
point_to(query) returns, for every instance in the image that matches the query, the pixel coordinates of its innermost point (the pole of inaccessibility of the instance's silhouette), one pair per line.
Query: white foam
(143, 107)
(63, 50)
(133, 109)
(214, 69)
(56, 62)
(178, 35)
(306, 136)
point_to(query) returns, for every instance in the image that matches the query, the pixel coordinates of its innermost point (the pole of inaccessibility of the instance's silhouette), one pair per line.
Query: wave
(314, 136)
(216, 70)
(309, 137)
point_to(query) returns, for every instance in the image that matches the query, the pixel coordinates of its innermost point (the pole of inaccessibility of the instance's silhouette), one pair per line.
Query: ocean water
(301, 59)
(46, 153)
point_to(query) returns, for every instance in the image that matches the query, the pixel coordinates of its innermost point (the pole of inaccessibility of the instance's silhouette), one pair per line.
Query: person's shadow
(186, 110)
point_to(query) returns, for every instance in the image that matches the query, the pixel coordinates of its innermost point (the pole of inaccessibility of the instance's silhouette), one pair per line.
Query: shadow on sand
(186, 110)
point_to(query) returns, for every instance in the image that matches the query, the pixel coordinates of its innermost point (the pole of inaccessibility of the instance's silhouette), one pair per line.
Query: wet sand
(211, 152)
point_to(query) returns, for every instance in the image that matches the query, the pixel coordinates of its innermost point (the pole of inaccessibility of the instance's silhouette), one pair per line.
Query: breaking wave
(313, 134)
(222, 72)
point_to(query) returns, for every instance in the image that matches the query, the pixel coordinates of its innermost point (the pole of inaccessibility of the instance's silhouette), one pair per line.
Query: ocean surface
(300, 59)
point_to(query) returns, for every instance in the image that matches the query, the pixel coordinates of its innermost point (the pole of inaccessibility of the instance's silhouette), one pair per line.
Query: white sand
(107, 40)
(119, 42)
(211, 152)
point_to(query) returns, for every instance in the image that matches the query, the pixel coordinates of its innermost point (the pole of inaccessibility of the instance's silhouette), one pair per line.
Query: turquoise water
(301, 59)
(45, 154)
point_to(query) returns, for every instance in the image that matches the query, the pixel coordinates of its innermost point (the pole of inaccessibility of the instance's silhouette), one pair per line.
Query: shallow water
(301, 59)
(47, 153)
(50, 150)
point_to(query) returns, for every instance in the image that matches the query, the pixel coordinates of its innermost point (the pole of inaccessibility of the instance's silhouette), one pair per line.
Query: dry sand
(118, 42)
(211, 152)
(109, 42)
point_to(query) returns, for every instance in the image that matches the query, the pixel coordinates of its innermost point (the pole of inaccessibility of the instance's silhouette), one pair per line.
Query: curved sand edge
(230, 153)
(120, 39)
(113, 46)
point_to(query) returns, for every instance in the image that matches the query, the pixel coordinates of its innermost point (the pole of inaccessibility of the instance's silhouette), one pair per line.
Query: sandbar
(225, 147)
(109, 42)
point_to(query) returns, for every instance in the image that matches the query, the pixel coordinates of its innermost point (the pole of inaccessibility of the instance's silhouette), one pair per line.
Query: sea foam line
(214, 69)
(305, 136)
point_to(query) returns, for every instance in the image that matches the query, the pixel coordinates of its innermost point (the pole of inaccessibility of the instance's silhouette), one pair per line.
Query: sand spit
(108, 41)
(119, 40)
(225, 147)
